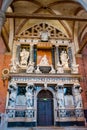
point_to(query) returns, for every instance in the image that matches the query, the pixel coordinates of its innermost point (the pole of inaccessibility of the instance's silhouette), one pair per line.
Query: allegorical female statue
(24, 54)
(64, 59)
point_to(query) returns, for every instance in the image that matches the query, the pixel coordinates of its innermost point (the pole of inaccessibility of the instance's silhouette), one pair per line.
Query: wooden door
(45, 111)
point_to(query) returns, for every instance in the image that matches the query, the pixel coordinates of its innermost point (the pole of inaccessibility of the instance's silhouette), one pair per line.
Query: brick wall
(4, 63)
(82, 61)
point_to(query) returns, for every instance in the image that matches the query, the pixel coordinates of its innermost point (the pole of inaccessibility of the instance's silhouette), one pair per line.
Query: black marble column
(35, 55)
(53, 56)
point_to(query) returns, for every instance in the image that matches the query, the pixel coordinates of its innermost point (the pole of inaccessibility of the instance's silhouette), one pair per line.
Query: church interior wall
(64, 80)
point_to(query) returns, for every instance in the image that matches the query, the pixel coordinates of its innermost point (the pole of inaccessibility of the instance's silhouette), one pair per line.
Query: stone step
(46, 128)
(59, 128)
(18, 128)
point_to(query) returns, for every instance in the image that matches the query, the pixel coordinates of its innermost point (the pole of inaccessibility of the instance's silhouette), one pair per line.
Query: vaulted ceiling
(42, 8)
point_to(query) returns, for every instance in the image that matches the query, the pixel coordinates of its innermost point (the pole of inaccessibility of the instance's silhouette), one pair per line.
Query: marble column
(53, 56)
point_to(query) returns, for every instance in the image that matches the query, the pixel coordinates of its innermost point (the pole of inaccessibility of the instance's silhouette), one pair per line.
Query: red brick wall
(82, 61)
(4, 63)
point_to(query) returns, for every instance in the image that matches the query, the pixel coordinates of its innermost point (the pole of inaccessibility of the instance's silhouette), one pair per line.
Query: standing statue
(29, 96)
(12, 94)
(77, 96)
(24, 54)
(60, 97)
(64, 59)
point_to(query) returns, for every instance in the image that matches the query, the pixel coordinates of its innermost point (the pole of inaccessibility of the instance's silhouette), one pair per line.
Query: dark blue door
(45, 112)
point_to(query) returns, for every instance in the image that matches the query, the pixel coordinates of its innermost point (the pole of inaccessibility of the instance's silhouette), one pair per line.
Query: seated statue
(64, 59)
(24, 54)
(44, 61)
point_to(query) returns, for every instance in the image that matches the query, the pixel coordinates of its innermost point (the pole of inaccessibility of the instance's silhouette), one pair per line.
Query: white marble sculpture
(38, 70)
(29, 96)
(60, 97)
(44, 35)
(74, 68)
(30, 68)
(52, 70)
(64, 59)
(14, 66)
(12, 94)
(77, 96)
(24, 54)
(59, 68)
(44, 61)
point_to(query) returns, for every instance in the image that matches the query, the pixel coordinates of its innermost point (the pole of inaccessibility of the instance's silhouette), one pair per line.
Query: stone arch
(35, 30)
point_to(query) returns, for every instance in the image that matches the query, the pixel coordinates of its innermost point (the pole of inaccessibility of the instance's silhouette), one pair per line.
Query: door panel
(45, 112)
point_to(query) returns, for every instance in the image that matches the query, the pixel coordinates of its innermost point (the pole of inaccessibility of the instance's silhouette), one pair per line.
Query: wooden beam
(46, 16)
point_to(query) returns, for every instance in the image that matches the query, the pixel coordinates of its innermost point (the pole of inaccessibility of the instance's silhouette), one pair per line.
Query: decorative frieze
(41, 79)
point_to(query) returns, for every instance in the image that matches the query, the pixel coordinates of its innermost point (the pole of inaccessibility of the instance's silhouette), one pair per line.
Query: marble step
(46, 128)
(59, 128)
